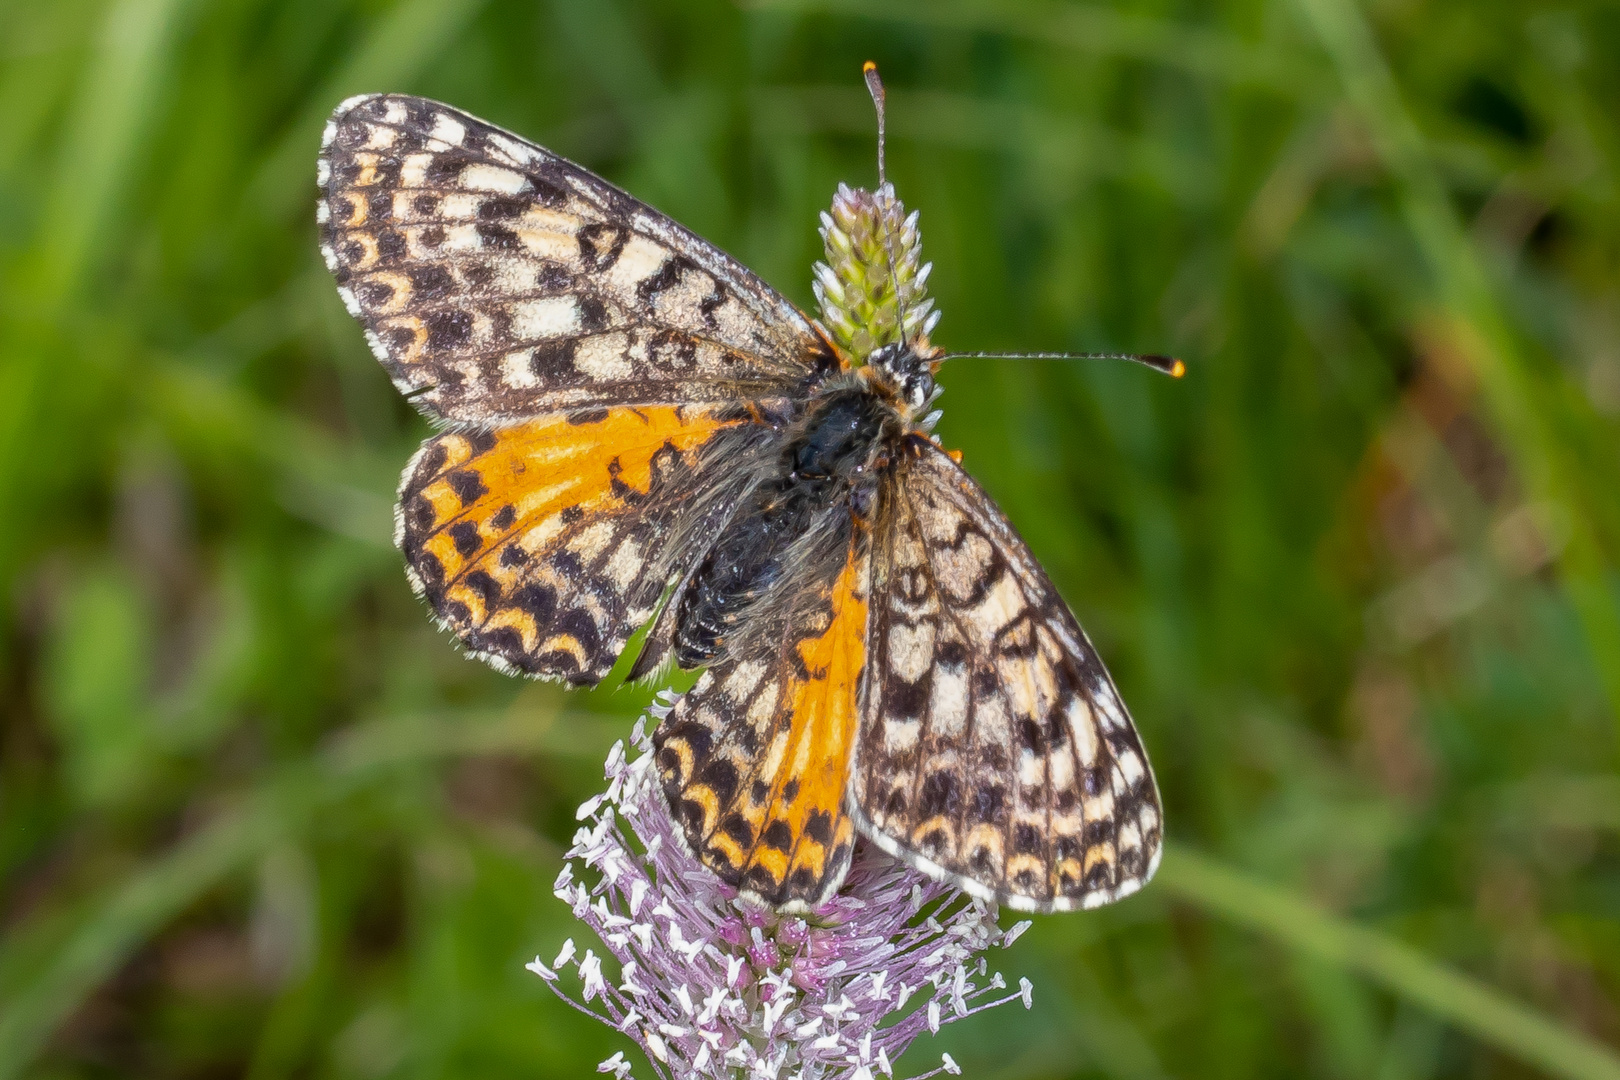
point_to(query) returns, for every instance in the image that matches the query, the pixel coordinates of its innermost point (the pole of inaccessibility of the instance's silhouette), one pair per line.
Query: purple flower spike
(712, 986)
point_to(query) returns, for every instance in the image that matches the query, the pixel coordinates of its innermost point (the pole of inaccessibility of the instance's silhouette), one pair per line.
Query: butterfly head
(906, 373)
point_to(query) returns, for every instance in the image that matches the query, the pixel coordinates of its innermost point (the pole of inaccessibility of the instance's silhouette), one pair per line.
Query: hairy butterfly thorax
(819, 498)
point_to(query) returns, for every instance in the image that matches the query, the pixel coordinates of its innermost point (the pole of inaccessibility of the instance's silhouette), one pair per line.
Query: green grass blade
(1482, 333)
(132, 911)
(118, 93)
(1468, 1005)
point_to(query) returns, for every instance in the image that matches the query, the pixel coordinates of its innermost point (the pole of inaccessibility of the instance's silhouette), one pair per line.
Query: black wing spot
(1132, 862)
(431, 281)
(420, 519)
(539, 601)
(720, 776)
(1099, 832)
(777, 835)
(553, 362)
(941, 794)
(1095, 781)
(466, 538)
(739, 830)
(390, 244)
(499, 237)
(601, 244)
(548, 193)
(485, 586)
(503, 641)
(691, 815)
(448, 330)
(988, 804)
(502, 207)
(1100, 876)
(468, 486)
(906, 700)
(759, 880)
(567, 565)
(444, 170)
(697, 738)
(593, 314)
(430, 570)
(429, 466)
(667, 276)
(818, 827)
(375, 294)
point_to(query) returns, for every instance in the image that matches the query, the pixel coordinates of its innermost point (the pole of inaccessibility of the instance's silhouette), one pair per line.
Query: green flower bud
(873, 287)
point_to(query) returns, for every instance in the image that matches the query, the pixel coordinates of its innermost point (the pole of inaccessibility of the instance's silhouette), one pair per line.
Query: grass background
(1355, 573)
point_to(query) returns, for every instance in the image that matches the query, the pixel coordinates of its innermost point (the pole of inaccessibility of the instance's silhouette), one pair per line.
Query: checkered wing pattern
(993, 749)
(755, 757)
(544, 545)
(497, 281)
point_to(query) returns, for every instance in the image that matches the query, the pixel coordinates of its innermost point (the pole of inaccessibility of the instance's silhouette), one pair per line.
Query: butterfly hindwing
(994, 750)
(755, 757)
(543, 545)
(498, 281)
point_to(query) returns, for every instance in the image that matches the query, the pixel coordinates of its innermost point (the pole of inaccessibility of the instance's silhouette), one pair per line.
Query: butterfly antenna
(874, 86)
(1167, 364)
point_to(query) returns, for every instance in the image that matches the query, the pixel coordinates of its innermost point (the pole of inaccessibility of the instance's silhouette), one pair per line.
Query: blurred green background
(1356, 573)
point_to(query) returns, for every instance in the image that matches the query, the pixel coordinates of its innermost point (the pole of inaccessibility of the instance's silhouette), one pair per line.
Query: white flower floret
(713, 987)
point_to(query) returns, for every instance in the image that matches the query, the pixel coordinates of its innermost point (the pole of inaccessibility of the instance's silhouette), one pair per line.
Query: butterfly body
(640, 430)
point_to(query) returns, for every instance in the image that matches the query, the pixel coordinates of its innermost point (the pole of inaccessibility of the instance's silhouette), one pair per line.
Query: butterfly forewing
(544, 544)
(498, 281)
(993, 748)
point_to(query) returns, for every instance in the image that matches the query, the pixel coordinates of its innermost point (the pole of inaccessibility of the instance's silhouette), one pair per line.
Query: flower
(873, 287)
(713, 986)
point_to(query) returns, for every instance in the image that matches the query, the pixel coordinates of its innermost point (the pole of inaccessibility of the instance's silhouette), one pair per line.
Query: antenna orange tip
(1177, 370)
(868, 67)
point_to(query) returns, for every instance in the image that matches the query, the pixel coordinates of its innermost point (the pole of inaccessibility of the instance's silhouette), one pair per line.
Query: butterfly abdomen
(803, 506)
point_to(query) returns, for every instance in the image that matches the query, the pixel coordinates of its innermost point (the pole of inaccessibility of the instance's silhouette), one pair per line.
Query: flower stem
(1470, 1006)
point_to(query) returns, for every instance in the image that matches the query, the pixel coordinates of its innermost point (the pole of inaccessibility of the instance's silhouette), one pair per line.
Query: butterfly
(636, 429)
